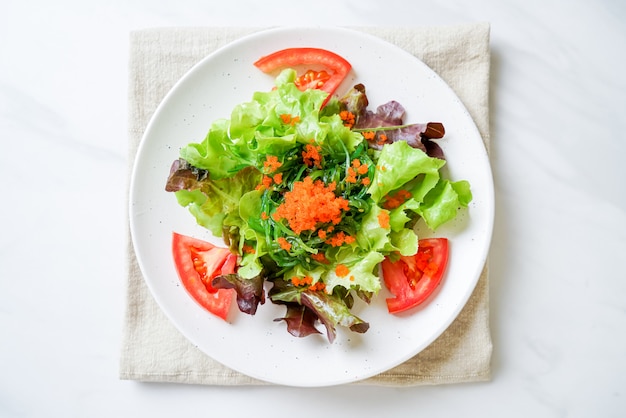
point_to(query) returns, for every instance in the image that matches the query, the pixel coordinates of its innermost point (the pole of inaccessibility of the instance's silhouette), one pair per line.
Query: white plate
(256, 345)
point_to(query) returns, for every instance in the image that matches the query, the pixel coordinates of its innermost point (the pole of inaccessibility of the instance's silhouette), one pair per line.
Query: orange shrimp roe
(369, 135)
(347, 117)
(284, 244)
(289, 120)
(310, 203)
(308, 281)
(317, 286)
(357, 168)
(362, 168)
(339, 239)
(271, 163)
(383, 219)
(395, 200)
(266, 183)
(301, 281)
(341, 270)
(319, 257)
(311, 155)
(351, 177)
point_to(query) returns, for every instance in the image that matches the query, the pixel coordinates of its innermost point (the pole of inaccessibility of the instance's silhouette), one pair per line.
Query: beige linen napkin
(154, 350)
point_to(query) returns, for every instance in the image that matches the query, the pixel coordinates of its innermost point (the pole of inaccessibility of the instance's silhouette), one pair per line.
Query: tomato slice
(412, 279)
(337, 67)
(197, 263)
(312, 80)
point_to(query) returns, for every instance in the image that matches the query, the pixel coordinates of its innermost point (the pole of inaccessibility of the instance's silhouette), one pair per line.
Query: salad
(314, 195)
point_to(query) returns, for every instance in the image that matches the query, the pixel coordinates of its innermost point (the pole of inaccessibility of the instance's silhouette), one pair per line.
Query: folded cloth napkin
(154, 350)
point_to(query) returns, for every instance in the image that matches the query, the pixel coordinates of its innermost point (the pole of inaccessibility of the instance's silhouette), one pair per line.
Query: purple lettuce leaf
(250, 292)
(330, 310)
(390, 117)
(300, 320)
(184, 176)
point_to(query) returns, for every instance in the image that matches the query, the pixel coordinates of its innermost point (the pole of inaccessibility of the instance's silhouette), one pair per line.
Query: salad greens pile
(312, 199)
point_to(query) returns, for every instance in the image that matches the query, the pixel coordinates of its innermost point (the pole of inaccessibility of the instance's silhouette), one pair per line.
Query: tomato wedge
(412, 279)
(197, 262)
(328, 80)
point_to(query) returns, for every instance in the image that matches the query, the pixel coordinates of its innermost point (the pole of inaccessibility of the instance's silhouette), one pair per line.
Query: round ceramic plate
(257, 345)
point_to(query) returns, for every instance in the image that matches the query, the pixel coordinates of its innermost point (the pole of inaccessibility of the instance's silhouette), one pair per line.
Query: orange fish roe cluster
(317, 286)
(357, 168)
(339, 239)
(371, 136)
(351, 177)
(264, 216)
(271, 164)
(248, 249)
(383, 219)
(341, 270)
(348, 118)
(311, 156)
(289, 120)
(284, 244)
(310, 203)
(301, 281)
(395, 200)
(319, 257)
(308, 281)
(382, 138)
(266, 183)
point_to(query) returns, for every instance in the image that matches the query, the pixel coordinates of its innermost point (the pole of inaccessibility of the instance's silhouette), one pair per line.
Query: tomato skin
(197, 262)
(412, 279)
(291, 57)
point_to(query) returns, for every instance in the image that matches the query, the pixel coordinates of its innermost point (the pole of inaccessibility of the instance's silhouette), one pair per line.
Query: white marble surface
(558, 286)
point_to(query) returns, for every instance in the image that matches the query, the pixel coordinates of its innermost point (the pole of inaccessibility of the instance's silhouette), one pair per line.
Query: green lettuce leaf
(363, 270)
(442, 202)
(435, 199)
(215, 203)
(215, 153)
(251, 232)
(398, 164)
(371, 237)
(404, 241)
